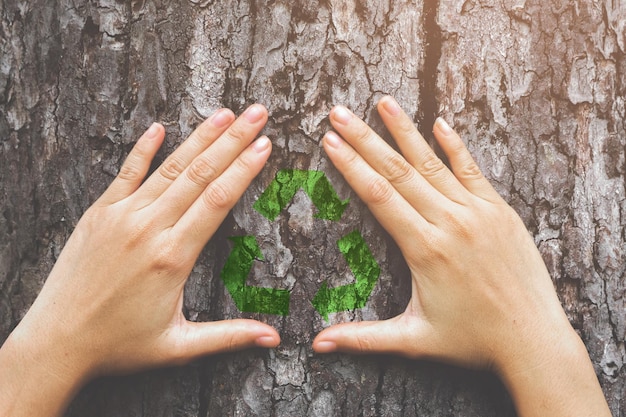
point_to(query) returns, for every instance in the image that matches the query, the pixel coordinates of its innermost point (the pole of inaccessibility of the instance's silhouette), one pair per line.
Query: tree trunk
(536, 88)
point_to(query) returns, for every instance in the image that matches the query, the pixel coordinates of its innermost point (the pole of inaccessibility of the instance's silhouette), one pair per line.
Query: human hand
(113, 301)
(481, 294)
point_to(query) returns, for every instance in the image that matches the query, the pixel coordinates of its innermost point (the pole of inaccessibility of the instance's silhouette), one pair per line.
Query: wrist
(538, 350)
(555, 377)
(41, 373)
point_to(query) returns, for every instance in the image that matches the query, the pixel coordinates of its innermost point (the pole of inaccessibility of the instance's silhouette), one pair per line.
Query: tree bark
(536, 88)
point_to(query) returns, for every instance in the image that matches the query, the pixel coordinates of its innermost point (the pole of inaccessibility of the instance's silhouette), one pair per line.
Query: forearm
(37, 378)
(560, 381)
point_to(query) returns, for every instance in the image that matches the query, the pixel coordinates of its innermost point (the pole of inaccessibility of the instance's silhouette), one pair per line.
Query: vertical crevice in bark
(429, 109)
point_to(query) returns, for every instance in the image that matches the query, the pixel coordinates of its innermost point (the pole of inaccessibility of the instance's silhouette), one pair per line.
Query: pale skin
(482, 297)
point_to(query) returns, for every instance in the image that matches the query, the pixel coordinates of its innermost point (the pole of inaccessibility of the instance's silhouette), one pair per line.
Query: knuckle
(407, 129)
(364, 343)
(431, 166)
(362, 132)
(396, 169)
(379, 191)
(140, 232)
(171, 168)
(218, 197)
(130, 171)
(238, 134)
(459, 226)
(92, 220)
(465, 167)
(244, 163)
(201, 171)
(231, 342)
(170, 257)
(352, 159)
(430, 251)
(471, 171)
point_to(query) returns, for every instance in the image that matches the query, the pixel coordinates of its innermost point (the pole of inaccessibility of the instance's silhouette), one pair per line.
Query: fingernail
(333, 140)
(443, 126)
(221, 118)
(265, 341)
(254, 113)
(152, 131)
(324, 347)
(261, 144)
(342, 115)
(391, 106)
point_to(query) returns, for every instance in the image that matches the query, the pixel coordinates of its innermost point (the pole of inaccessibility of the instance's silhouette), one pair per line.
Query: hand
(481, 294)
(113, 301)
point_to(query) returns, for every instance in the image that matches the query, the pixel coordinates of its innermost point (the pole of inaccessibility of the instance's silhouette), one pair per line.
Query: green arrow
(235, 273)
(365, 270)
(287, 183)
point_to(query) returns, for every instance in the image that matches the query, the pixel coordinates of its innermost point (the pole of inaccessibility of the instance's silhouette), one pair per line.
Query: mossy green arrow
(287, 183)
(235, 273)
(366, 271)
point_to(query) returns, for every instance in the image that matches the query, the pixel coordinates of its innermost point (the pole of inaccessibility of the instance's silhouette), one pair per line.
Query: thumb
(200, 339)
(399, 336)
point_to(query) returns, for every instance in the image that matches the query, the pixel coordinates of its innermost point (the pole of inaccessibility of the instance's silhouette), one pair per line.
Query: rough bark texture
(537, 88)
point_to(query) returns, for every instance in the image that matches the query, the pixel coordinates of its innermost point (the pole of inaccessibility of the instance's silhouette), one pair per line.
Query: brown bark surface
(536, 88)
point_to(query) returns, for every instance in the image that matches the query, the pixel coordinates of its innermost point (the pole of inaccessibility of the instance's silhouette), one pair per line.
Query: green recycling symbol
(353, 247)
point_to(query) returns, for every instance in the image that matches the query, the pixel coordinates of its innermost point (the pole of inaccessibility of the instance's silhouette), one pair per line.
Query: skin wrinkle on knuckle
(350, 160)
(364, 343)
(379, 191)
(171, 168)
(431, 166)
(233, 342)
(244, 164)
(217, 197)
(397, 170)
(462, 228)
(361, 133)
(237, 134)
(470, 170)
(466, 167)
(202, 171)
(130, 171)
(406, 130)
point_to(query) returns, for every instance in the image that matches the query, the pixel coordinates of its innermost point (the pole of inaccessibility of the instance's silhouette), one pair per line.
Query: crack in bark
(428, 77)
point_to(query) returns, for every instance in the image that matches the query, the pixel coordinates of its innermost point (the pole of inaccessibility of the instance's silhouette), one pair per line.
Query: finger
(395, 214)
(210, 164)
(388, 163)
(200, 139)
(463, 165)
(398, 336)
(417, 151)
(203, 218)
(194, 340)
(136, 166)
